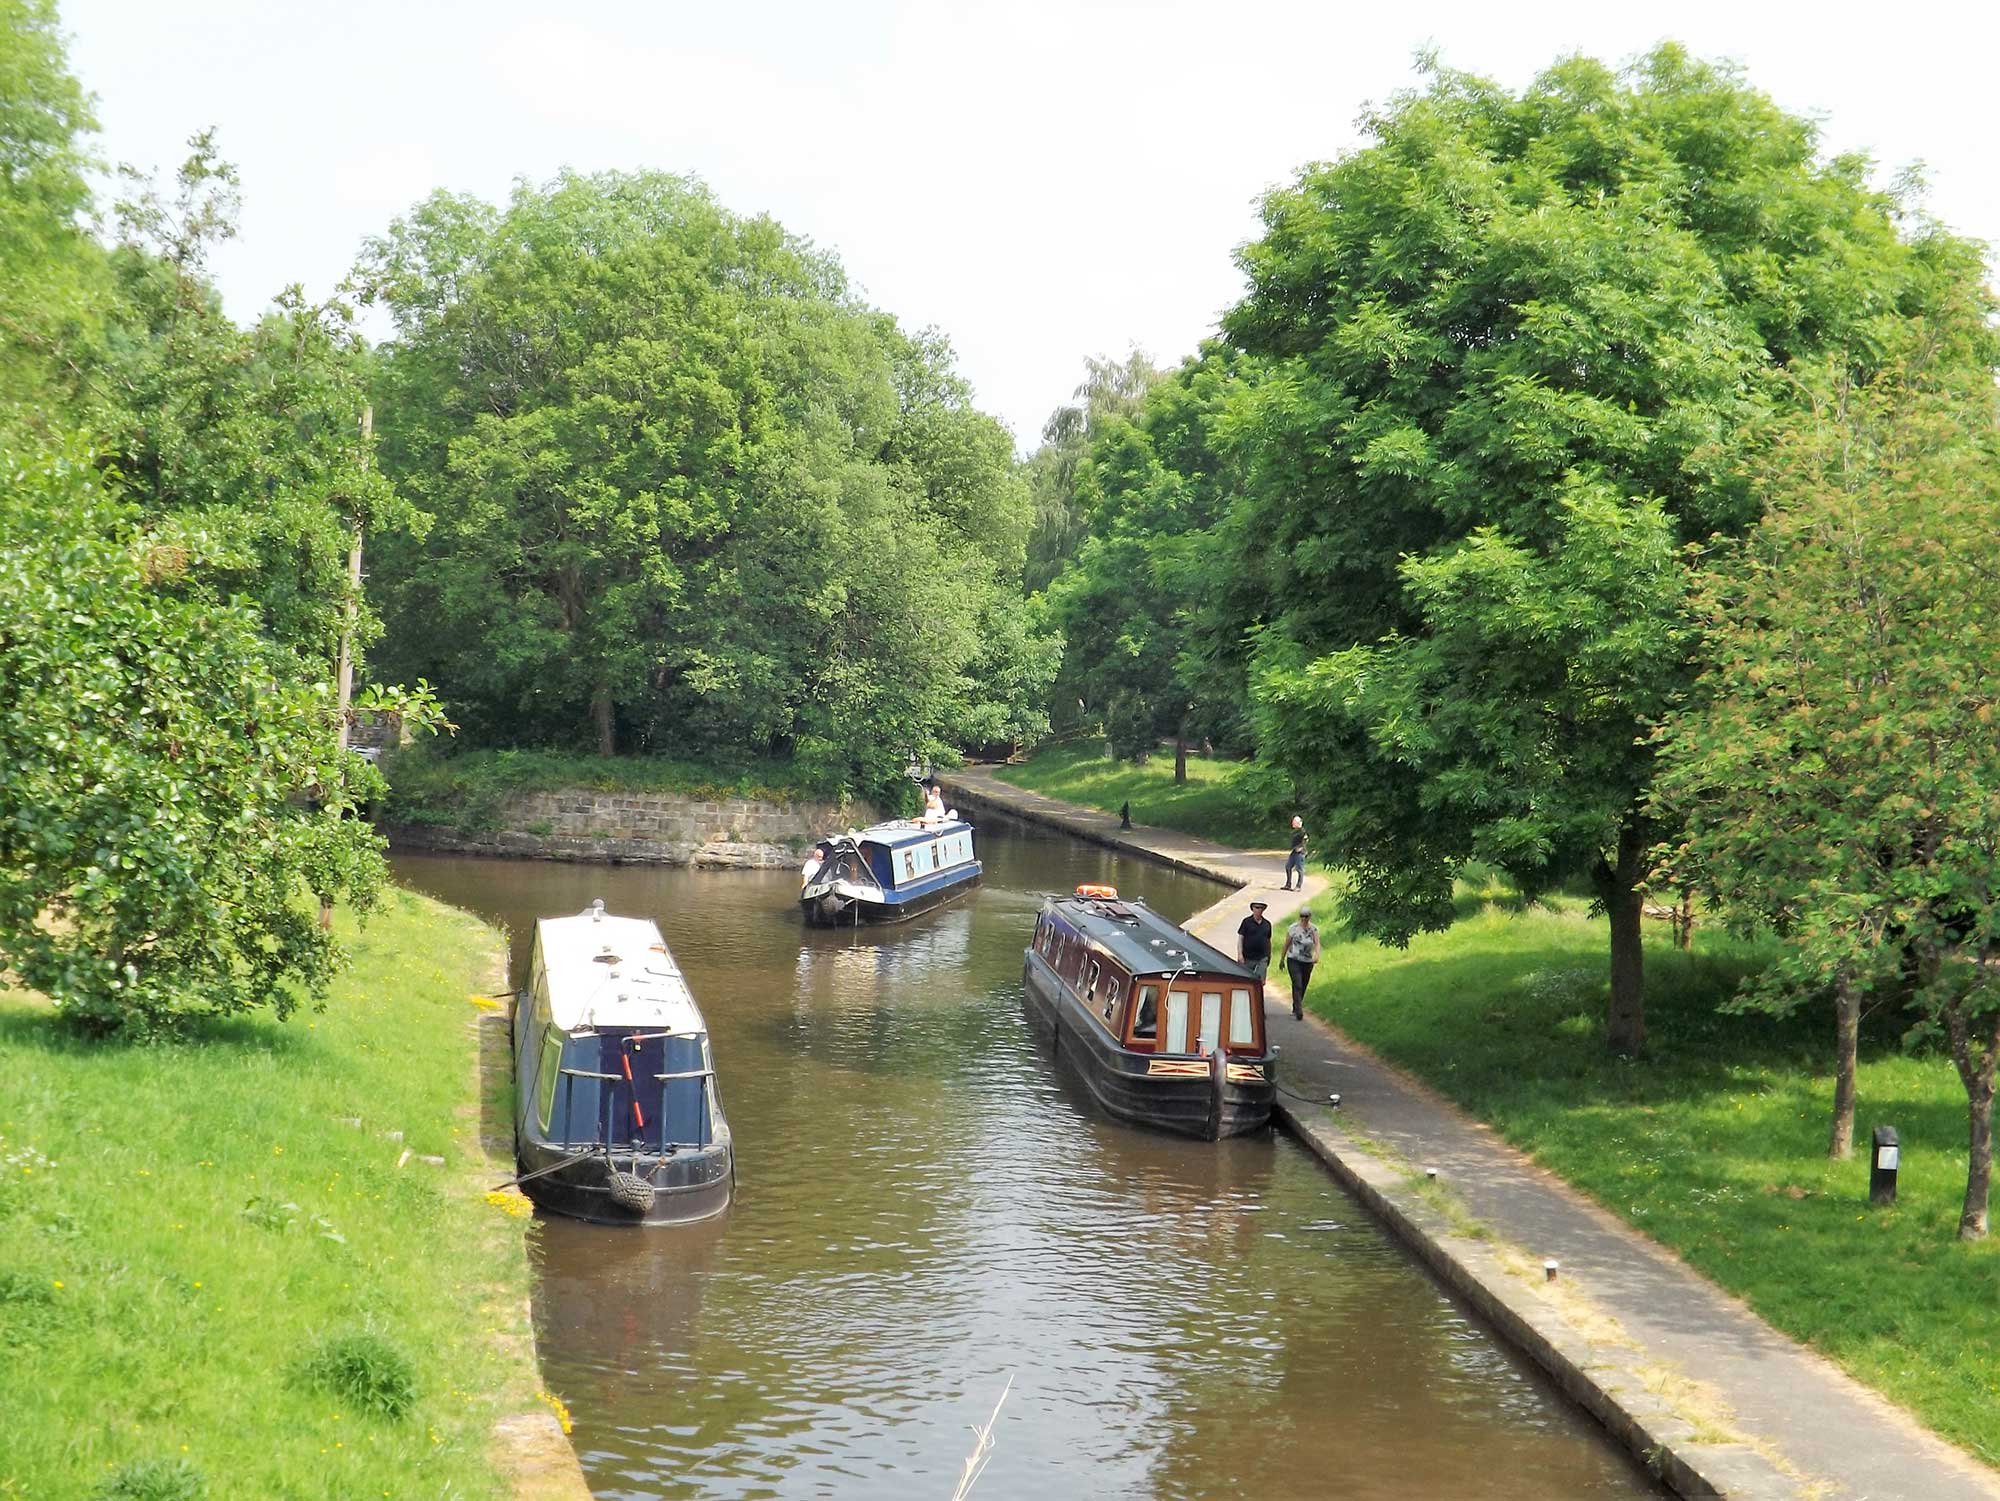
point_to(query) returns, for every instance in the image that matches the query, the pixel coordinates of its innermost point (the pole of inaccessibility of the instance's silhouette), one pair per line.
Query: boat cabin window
(1211, 1019)
(1177, 1021)
(549, 1077)
(909, 864)
(1242, 1033)
(1146, 1018)
(1091, 987)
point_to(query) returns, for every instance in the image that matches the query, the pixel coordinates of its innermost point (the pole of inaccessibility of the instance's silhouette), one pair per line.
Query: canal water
(925, 1209)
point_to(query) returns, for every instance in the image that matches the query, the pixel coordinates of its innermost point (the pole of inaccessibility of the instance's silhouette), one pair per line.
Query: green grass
(1715, 1144)
(466, 790)
(1218, 800)
(206, 1273)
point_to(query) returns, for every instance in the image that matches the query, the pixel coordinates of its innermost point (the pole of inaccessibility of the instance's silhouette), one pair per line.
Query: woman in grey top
(1301, 954)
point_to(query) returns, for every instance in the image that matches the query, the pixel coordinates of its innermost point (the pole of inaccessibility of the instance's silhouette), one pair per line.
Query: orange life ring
(1109, 893)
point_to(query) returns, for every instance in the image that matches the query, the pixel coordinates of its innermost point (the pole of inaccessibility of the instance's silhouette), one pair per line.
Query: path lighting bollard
(1333, 1100)
(1549, 1270)
(1431, 1173)
(1882, 1166)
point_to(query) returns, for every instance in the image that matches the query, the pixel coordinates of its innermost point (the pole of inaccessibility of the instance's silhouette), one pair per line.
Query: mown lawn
(1213, 802)
(184, 1227)
(1715, 1144)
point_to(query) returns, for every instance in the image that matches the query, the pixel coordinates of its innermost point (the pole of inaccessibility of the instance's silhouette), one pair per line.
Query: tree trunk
(1180, 755)
(1618, 889)
(607, 728)
(1847, 1038)
(1979, 1167)
(1975, 1059)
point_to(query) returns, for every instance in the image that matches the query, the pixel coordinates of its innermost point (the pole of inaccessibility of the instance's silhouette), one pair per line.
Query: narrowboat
(616, 1114)
(888, 872)
(1166, 1031)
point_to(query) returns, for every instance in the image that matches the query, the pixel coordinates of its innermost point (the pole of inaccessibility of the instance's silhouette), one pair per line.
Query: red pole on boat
(637, 1114)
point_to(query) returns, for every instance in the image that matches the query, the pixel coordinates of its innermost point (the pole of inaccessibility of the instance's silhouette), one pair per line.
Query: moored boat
(1165, 1030)
(888, 872)
(616, 1114)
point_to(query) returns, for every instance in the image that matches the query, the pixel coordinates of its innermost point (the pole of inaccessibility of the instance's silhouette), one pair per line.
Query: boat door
(1202, 1009)
(1211, 1021)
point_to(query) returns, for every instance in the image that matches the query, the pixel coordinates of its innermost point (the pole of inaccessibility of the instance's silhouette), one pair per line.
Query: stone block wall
(646, 828)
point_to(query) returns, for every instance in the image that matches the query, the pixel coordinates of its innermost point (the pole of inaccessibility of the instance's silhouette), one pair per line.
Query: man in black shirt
(1295, 862)
(1253, 945)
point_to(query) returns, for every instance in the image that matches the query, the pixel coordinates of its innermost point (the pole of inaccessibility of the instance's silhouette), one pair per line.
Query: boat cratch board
(617, 1117)
(1166, 1030)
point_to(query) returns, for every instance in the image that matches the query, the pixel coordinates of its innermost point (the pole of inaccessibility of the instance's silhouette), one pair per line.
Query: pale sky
(1041, 181)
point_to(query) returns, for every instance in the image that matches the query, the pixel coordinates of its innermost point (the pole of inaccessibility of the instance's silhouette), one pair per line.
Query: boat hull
(696, 1184)
(1161, 1091)
(832, 909)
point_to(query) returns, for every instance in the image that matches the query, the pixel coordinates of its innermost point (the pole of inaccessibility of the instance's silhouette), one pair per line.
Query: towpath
(1683, 1373)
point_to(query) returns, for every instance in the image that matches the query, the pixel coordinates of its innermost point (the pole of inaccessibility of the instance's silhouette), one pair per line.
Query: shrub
(154, 1480)
(365, 1369)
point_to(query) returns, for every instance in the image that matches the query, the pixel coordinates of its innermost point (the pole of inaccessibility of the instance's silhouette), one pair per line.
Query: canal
(925, 1209)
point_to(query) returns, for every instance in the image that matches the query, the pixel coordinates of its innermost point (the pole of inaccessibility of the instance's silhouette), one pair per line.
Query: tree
(1137, 602)
(252, 437)
(1511, 349)
(52, 285)
(692, 494)
(156, 840)
(1838, 772)
(1109, 389)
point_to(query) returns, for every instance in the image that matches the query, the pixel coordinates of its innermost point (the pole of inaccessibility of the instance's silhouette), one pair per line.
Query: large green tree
(1512, 345)
(1138, 602)
(52, 284)
(253, 436)
(1109, 389)
(1837, 774)
(691, 494)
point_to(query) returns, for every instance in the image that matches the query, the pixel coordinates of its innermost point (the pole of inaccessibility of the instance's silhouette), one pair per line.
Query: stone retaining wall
(645, 828)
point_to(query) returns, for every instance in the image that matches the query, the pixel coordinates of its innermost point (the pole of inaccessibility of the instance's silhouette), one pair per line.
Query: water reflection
(924, 1206)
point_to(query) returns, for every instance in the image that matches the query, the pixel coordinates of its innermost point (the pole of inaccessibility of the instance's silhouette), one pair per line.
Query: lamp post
(1882, 1165)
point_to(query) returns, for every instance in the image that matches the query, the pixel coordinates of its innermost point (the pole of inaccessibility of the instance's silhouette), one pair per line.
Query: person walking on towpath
(1301, 954)
(1253, 944)
(1295, 862)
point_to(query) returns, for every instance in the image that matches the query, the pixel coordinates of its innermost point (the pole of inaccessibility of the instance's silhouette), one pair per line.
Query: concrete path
(1697, 1386)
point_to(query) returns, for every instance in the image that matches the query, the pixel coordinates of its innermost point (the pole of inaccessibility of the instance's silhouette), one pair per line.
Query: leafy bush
(158, 760)
(154, 1480)
(363, 1368)
(1128, 727)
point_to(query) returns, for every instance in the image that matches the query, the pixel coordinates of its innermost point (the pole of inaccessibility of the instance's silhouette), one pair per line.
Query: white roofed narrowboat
(616, 1114)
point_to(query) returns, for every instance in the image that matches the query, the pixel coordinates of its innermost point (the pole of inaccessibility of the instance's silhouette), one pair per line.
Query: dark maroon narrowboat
(1166, 1031)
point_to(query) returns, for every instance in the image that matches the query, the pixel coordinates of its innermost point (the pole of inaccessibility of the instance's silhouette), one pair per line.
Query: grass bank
(465, 790)
(1217, 801)
(213, 1284)
(1715, 1144)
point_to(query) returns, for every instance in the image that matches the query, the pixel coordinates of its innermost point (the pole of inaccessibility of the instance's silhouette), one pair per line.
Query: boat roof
(607, 971)
(900, 831)
(1142, 940)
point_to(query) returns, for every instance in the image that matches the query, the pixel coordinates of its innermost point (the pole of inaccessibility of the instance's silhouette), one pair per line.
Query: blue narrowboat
(616, 1114)
(888, 872)
(1166, 1031)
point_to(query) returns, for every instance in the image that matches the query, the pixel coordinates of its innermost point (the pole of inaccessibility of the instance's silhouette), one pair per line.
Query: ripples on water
(924, 1207)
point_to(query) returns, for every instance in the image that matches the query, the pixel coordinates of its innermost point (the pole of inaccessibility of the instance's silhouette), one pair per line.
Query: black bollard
(1125, 815)
(1882, 1166)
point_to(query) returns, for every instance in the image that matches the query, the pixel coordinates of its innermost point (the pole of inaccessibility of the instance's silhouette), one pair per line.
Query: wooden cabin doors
(1196, 1018)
